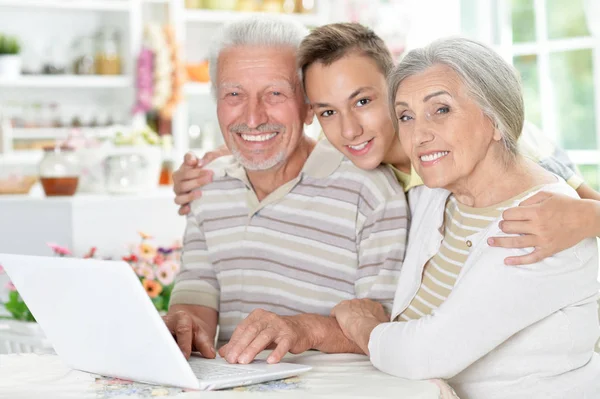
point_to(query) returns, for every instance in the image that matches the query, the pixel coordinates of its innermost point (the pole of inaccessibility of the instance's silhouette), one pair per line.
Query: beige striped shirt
(441, 272)
(335, 232)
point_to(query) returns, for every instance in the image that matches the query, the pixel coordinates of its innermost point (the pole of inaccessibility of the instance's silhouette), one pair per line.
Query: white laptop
(100, 320)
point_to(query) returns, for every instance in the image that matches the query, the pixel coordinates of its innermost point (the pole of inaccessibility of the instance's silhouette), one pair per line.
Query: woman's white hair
(259, 30)
(492, 82)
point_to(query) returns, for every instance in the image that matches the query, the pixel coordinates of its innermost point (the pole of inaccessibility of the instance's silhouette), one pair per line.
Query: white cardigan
(504, 331)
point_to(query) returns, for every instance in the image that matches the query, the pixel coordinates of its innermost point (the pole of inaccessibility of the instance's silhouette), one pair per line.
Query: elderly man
(288, 227)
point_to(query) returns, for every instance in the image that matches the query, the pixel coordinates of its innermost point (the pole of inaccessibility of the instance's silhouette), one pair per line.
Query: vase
(10, 66)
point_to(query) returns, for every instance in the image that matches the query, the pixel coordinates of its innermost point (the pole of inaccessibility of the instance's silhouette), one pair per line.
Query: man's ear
(310, 115)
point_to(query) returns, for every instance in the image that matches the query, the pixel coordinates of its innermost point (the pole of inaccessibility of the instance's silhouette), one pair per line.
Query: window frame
(542, 48)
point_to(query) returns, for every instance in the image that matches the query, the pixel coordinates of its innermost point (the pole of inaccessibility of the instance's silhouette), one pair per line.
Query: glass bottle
(166, 170)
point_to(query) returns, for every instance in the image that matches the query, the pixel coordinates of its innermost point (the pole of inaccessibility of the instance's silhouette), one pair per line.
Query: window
(550, 44)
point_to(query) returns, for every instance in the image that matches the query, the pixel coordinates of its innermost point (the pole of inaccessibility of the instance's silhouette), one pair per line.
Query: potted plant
(10, 59)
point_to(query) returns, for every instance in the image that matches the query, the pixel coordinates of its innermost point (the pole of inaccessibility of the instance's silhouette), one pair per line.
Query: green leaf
(166, 294)
(9, 45)
(158, 302)
(17, 307)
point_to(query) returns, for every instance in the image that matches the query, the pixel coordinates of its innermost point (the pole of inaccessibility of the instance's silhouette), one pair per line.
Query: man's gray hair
(492, 82)
(259, 30)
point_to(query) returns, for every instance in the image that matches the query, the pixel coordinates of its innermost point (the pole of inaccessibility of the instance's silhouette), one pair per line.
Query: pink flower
(165, 274)
(147, 252)
(174, 266)
(58, 250)
(159, 259)
(1, 270)
(10, 286)
(146, 271)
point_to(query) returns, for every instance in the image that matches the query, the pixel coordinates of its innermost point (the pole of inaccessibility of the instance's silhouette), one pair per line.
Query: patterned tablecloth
(333, 376)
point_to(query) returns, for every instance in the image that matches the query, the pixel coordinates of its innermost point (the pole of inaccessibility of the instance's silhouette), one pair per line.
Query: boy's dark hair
(329, 43)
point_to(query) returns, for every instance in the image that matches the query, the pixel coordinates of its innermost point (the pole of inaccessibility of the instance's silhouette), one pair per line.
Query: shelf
(68, 81)
(84, 5)
(197, 89)
(219, 17)
(21, 157)
(60, 133)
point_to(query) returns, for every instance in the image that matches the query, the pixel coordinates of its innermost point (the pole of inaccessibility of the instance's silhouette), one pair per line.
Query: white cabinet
(110, 223)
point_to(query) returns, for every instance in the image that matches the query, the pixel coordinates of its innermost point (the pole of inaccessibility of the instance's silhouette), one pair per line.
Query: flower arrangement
(156, 267)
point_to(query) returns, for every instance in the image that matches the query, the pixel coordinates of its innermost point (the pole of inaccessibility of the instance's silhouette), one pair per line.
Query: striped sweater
(335, 232)
(441, 271)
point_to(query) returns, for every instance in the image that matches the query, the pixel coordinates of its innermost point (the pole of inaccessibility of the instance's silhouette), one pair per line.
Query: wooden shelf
(68, 81)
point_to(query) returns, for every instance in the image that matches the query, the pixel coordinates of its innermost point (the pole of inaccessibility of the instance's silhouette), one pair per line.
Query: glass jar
(125, 173)
(84, 63)
(108, 52)
(59, 171)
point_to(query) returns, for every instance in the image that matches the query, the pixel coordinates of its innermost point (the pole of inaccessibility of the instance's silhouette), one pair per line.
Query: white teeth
(258, 137)
(360, 146)
(434, 156)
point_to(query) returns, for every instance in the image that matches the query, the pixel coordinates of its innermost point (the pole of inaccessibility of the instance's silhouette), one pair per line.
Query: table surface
(333, 376)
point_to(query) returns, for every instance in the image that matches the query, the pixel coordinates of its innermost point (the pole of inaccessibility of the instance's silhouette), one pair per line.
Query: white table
(332, 376)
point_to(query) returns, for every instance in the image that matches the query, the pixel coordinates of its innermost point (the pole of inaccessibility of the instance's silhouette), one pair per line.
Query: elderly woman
(459, 313)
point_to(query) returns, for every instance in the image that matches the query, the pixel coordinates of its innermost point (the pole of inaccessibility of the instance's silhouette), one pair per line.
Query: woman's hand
(548, 222)
(190, 177)
(357, 318)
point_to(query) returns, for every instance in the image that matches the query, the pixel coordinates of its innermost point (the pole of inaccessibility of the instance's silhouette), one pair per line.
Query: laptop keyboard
(206, 370)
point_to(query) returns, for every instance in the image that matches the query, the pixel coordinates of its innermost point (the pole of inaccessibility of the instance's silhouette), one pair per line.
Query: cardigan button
(469, 243)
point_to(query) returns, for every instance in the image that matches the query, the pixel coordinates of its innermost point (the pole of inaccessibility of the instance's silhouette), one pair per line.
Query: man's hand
(262, 330)
(548, 222)
(357, 319)
(190, 176)
(191, 332)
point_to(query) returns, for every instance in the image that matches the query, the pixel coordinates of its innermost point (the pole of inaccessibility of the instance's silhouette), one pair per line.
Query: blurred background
(80, 73)
(100, 99)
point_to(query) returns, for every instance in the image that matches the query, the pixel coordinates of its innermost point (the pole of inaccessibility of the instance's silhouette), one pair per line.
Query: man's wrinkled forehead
(284, 84)
(243, 65)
